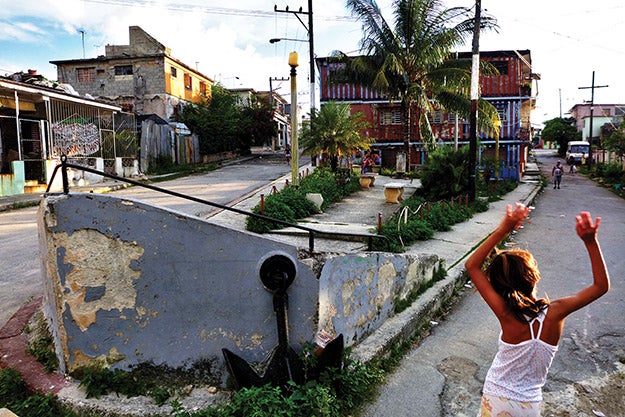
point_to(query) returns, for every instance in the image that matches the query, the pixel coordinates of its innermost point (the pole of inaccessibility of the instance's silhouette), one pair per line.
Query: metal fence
(83, 133)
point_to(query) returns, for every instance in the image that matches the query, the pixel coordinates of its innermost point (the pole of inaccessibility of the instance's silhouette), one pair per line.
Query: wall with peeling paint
(358, 292)
(128, 283)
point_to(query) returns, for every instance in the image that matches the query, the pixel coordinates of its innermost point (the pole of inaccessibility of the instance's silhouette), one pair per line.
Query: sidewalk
(358, 213)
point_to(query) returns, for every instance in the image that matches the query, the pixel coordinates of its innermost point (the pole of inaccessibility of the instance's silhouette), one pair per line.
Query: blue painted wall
(127, 282)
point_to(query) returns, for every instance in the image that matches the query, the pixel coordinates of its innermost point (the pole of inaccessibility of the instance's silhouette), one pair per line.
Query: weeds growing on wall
(161, 383)
(15, 396)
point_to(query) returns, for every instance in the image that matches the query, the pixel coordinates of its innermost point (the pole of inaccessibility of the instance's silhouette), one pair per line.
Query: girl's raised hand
(515, 216)
(586, 229)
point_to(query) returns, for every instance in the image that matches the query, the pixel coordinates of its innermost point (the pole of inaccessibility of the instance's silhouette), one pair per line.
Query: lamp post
(294, 143)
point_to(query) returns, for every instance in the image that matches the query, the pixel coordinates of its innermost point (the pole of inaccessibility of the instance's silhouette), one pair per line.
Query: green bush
(445, 173)
(291, 203)
(612, 173)
(274, 211)
(322, 181)
(423, 220)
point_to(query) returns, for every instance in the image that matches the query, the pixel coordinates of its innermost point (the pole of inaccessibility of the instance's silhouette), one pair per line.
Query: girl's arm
(587, 231)
(511, 221)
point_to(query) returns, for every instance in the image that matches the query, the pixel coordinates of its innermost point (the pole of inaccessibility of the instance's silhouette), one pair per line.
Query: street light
(294, 144)
(275, 40)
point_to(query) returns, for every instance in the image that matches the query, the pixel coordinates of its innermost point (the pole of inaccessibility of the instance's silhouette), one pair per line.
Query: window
(390, 117)
(85, 75)
(123, 70)
(503, 111)
(437, 116)
(202, 88)
(187, 82)
(451, 117)
(173, 71)
(502, 67)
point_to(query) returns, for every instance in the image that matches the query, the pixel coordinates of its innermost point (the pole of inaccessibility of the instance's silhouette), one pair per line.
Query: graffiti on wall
(76, 136)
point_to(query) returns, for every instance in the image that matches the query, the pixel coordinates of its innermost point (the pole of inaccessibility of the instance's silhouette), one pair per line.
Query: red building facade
(510, 92)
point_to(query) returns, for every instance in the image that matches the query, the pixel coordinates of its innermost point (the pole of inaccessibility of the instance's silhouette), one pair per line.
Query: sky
(229, 41)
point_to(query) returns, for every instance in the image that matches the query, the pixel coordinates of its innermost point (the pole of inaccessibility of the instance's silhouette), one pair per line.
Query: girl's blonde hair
(513, 274)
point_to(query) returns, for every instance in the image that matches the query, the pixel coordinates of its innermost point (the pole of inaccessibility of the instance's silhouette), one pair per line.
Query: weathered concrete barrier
(358, 292)
(128, 283)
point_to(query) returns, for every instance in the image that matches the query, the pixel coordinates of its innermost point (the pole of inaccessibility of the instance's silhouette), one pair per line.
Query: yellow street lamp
(294, 144)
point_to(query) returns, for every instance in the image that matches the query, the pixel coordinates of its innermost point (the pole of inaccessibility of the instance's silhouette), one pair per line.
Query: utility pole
(271, 79)
(82, 34)
(592, 109)
(311, 45)
(475, 95)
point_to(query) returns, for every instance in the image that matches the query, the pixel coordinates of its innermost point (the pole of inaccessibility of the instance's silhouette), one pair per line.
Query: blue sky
(229, 41)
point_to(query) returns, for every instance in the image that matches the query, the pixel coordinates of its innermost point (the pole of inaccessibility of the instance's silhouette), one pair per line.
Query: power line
(192, 8)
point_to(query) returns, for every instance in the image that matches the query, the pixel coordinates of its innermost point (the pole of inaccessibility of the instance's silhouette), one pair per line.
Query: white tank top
(519, 371)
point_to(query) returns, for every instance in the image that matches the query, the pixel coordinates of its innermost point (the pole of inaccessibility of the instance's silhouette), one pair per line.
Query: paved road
(444, 374)
(20, 279)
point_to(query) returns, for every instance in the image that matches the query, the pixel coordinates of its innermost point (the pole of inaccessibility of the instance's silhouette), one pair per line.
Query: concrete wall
(358, 292)
(128, 283)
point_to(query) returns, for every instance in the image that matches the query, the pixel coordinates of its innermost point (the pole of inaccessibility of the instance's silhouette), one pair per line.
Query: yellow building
(141, 77)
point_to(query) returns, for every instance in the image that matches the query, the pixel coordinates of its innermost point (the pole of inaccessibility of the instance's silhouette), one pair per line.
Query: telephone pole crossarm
(592, 109)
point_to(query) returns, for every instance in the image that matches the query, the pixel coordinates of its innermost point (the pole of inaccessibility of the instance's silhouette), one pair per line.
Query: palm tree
(412, 62)
(334, 131)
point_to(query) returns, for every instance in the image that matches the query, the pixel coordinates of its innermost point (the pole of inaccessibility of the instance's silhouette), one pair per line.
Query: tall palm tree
(412, 61)
(334, 131)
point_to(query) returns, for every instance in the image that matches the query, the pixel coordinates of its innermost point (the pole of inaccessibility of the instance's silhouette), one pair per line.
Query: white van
(578, 151)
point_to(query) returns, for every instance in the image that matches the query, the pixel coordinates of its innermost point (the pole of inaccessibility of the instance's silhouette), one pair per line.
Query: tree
(412, 62)
(615, 142)
(257, 122)
(217, 122)
(561, 131)
(334, 131)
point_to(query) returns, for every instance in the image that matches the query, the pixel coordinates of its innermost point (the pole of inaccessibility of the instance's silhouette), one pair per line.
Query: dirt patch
(603, 396)
(461, 384)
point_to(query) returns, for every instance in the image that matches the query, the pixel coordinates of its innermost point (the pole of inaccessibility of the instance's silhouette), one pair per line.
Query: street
(19, 248)
(460, 348)
(457, 352)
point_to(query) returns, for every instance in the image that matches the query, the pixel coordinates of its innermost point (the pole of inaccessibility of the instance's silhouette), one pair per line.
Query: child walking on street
(556, 173)
(531, 327)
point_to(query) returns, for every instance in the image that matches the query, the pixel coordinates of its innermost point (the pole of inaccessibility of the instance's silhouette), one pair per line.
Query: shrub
(291, 203)
(336, 393)
(423, 220)
(612, 173)
(445, 173)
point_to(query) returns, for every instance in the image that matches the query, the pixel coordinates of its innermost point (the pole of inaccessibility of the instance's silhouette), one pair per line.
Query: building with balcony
(510, 92)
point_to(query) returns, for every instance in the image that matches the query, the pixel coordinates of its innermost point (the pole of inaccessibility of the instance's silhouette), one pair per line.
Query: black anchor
(283, 364)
